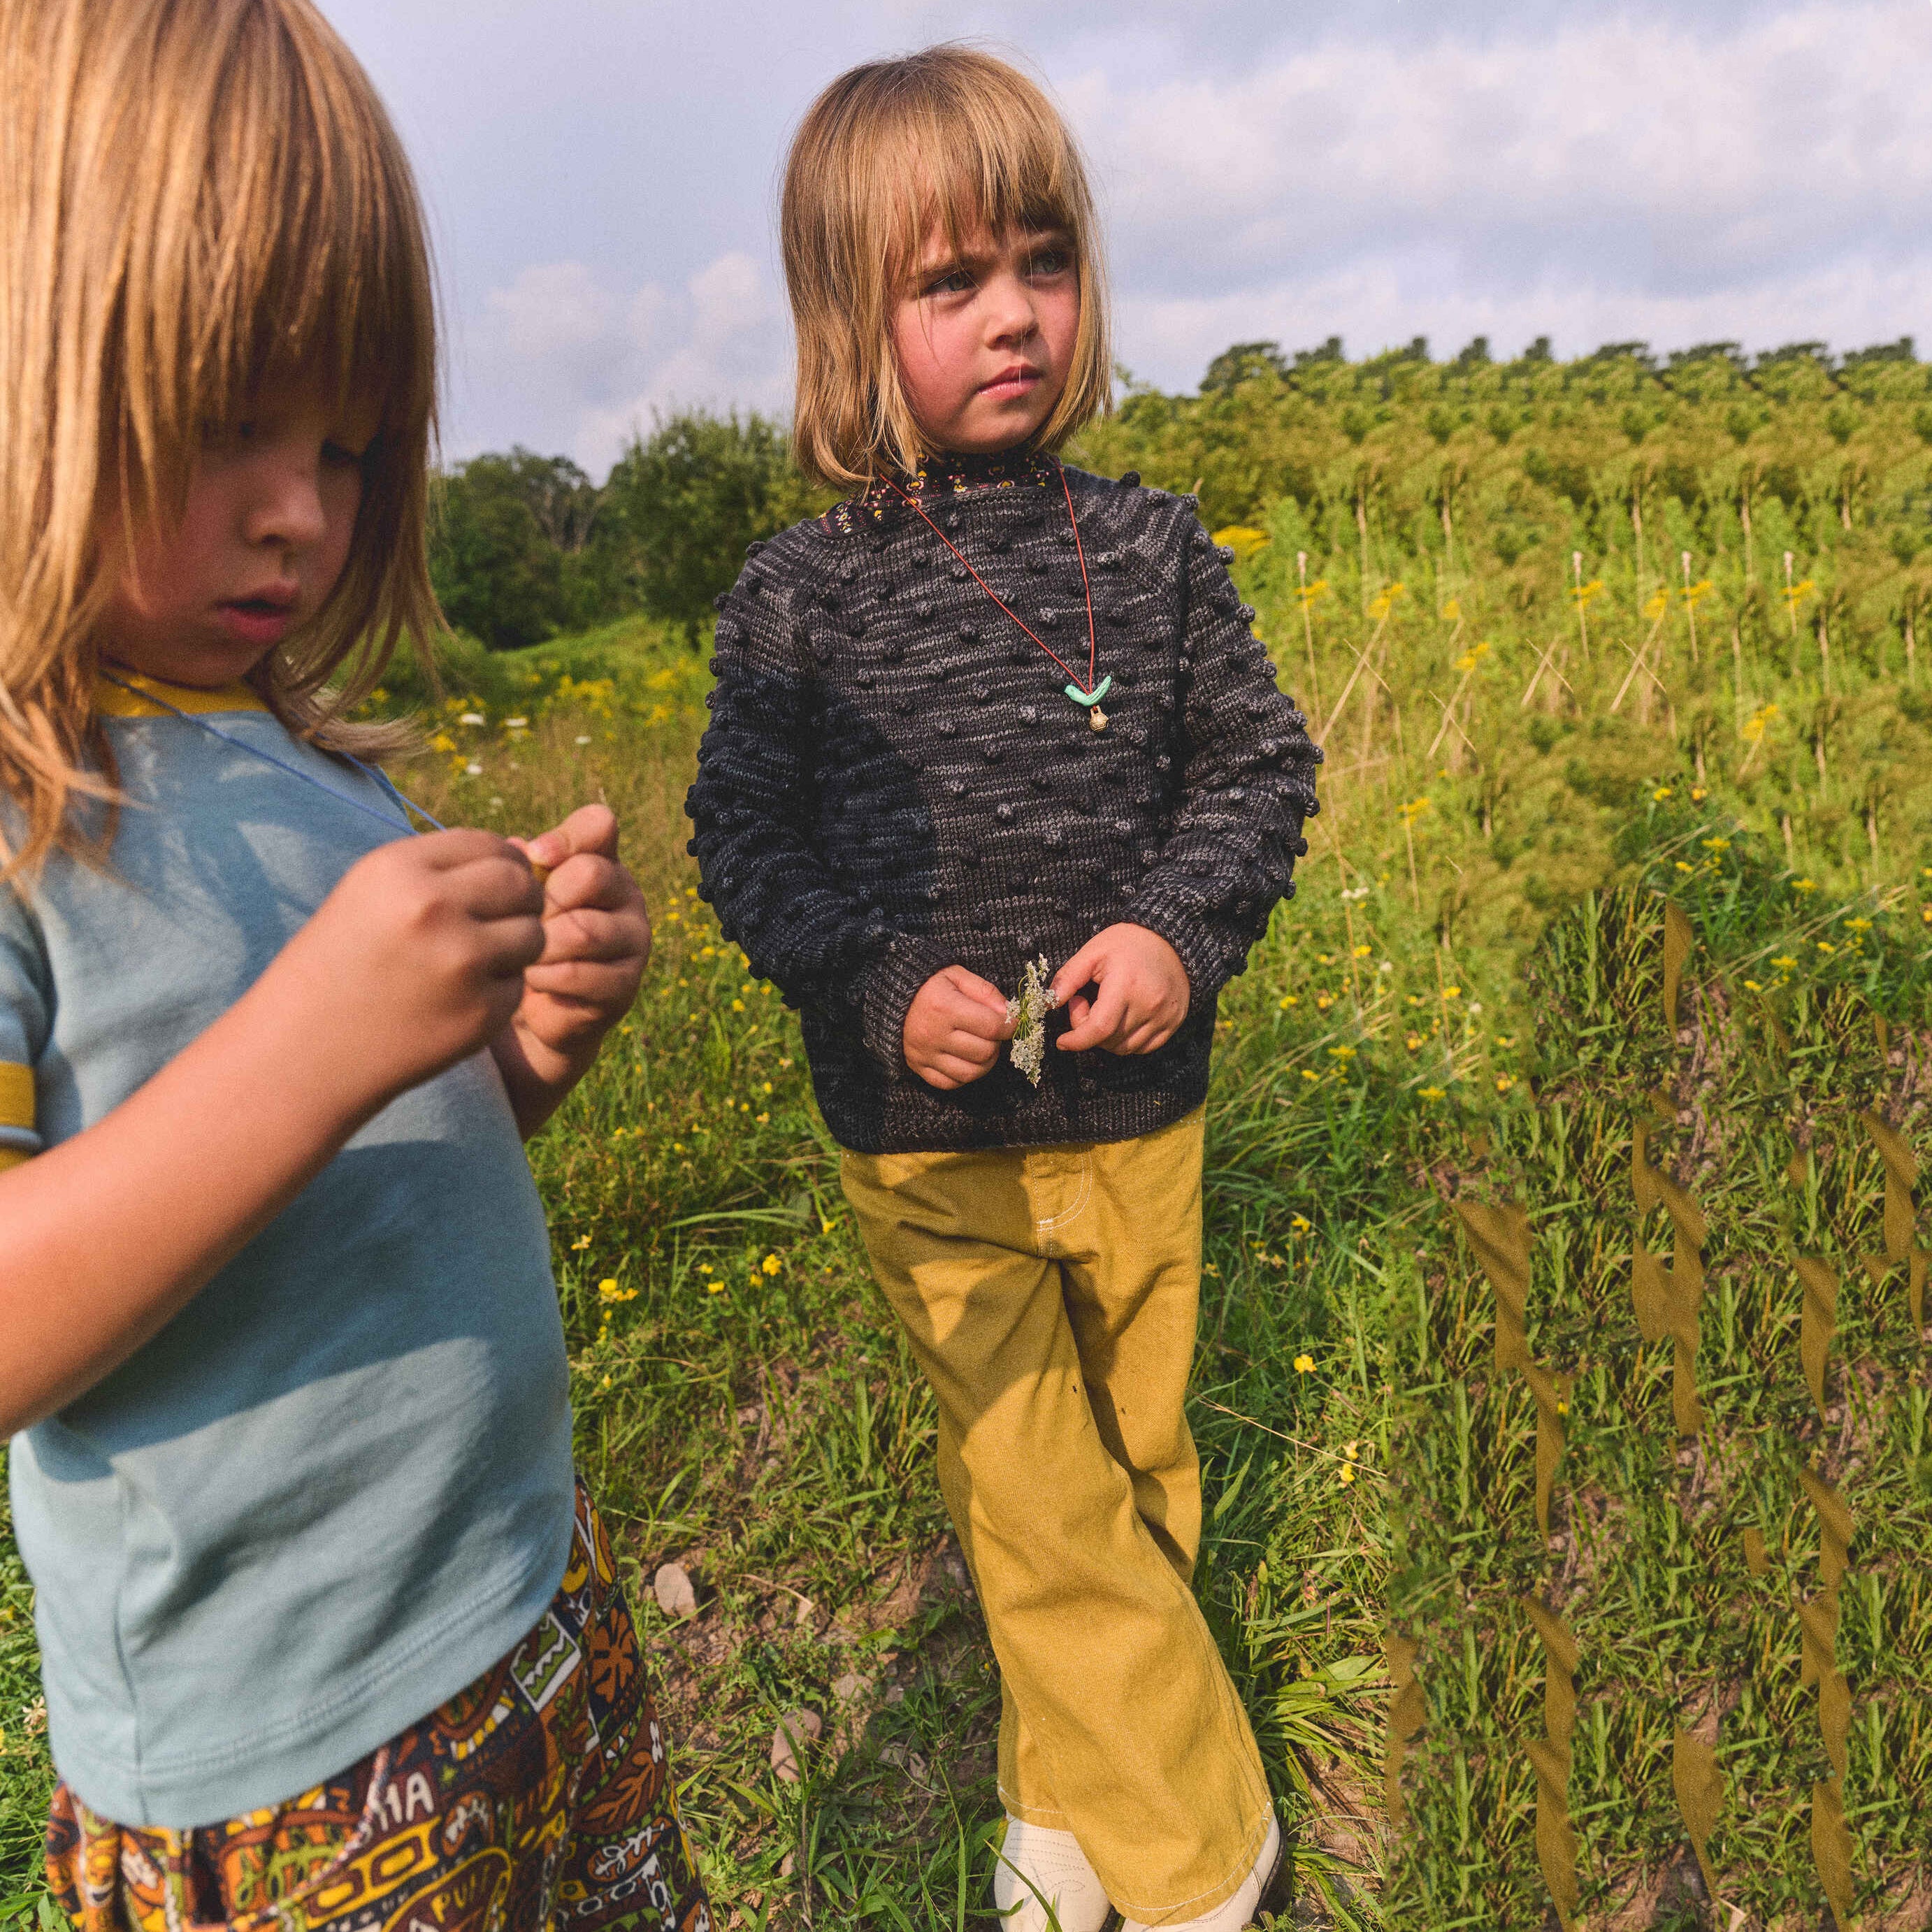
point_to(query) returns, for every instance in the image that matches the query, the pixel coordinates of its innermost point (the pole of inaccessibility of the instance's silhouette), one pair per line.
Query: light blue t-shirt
(338, 1486)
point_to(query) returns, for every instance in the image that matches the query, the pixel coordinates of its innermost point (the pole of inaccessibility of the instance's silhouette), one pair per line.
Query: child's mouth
(1011, 382)
(258, 620)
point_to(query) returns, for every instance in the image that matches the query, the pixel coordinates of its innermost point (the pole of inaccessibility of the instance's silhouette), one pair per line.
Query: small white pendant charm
(1097, 718)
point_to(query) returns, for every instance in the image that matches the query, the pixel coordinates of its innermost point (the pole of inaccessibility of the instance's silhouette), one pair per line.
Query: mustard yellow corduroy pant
(1051, 1294)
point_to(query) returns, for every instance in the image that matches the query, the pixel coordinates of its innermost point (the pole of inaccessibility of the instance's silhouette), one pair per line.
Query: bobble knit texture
(893, 781)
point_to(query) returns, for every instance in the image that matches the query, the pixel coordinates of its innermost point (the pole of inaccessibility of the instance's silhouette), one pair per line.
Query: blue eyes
(335, 455)
(1042, 267)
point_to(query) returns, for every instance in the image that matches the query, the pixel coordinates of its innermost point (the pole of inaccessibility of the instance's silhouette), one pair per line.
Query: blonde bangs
(198, 197)
(949, 138)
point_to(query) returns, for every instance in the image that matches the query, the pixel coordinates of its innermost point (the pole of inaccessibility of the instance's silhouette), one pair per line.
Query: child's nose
(287, 507)
(1011, 316)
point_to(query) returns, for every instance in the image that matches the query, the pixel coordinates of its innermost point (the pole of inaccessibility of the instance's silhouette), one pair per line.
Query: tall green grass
(1494, 784)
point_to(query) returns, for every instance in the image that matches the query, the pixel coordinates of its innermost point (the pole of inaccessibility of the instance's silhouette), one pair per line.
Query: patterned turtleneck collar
(945, 472)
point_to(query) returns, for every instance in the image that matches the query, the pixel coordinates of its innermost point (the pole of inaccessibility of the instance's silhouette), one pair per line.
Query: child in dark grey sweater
(990, 712)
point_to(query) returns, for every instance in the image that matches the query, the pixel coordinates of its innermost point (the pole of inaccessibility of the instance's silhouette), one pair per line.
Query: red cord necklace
(1091, 694)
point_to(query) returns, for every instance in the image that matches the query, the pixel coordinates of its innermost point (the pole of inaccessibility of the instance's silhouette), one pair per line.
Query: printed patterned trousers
(540, 1796)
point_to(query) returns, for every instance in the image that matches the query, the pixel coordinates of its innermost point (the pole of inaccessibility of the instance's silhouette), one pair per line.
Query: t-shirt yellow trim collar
(134, 696)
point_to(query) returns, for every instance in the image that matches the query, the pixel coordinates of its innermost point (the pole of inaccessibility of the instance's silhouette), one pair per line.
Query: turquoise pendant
(1091, 699)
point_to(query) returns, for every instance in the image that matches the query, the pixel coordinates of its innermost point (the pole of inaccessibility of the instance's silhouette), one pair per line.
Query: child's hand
(954, 1027)
(597, 942)
(416, 959)
(1142, 992)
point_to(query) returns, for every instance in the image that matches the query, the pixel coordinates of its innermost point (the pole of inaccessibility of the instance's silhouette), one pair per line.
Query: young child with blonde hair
(330, 1635)
(990, 712)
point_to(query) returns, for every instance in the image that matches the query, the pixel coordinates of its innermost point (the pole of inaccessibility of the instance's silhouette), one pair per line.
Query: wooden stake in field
(1636, 527)
(1690, 605)
(1407, 813)
(1582, 622)
(1308, 634)
(1790, 598)
(1637, 665)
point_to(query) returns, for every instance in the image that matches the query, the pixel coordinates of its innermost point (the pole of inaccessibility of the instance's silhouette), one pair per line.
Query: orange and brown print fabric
(542, 1795)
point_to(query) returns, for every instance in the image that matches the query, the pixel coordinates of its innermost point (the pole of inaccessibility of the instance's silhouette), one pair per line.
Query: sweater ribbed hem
(915, 1118)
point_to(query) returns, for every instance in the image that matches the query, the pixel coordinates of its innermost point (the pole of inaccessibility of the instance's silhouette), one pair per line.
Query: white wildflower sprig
(1027, 1013)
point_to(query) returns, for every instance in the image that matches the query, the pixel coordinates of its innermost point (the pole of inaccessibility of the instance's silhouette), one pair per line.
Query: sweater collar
(948, 473)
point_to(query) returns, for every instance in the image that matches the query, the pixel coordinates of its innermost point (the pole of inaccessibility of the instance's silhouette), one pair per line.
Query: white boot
(1038, 1868)
(1237, 1913)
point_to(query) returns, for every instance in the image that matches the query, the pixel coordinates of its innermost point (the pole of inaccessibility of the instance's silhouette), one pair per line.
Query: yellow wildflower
(771, 1265)
(1434, 1093)
(1304, 1365)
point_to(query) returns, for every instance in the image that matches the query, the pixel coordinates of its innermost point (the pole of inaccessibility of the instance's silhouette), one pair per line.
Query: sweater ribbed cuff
(1201, 949)
(890, 985)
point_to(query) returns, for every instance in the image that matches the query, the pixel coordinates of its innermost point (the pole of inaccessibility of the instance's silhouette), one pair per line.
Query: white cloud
(1628, 155)
(1674, 170)
(554, 309)
(592, 364)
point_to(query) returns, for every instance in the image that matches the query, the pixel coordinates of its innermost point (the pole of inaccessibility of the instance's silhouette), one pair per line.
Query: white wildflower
(1026, 1011)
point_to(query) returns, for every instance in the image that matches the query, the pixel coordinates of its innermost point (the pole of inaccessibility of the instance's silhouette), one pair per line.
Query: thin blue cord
(380, 779)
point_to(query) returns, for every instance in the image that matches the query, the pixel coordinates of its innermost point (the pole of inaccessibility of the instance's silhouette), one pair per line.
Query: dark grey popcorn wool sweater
(893, 781)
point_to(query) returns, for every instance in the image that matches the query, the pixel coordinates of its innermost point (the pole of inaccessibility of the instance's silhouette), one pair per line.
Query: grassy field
(1536, 613)
(745, 1406)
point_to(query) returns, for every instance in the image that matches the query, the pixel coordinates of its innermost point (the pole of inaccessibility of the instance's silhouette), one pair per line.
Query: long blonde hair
(196, 196)
(950, 136)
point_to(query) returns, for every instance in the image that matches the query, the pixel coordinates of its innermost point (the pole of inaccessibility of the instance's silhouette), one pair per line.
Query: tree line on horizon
(1378, 466)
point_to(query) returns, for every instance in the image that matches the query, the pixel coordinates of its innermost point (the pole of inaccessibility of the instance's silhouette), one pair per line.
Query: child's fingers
(945, 1071)
(589, 829)
(1145, 1038)
(591, 933)
(977, 1049)
(985, 1000)
(493, 886)
(608, 987)
(964, 1015)
(1102, 1023)
(1079, 971)
(982, 991)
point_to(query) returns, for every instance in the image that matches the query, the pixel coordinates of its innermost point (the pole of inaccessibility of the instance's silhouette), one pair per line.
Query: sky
(601, 177)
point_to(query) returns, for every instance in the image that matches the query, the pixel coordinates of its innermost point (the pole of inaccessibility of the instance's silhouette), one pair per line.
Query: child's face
(986, 339)
(265, 535)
